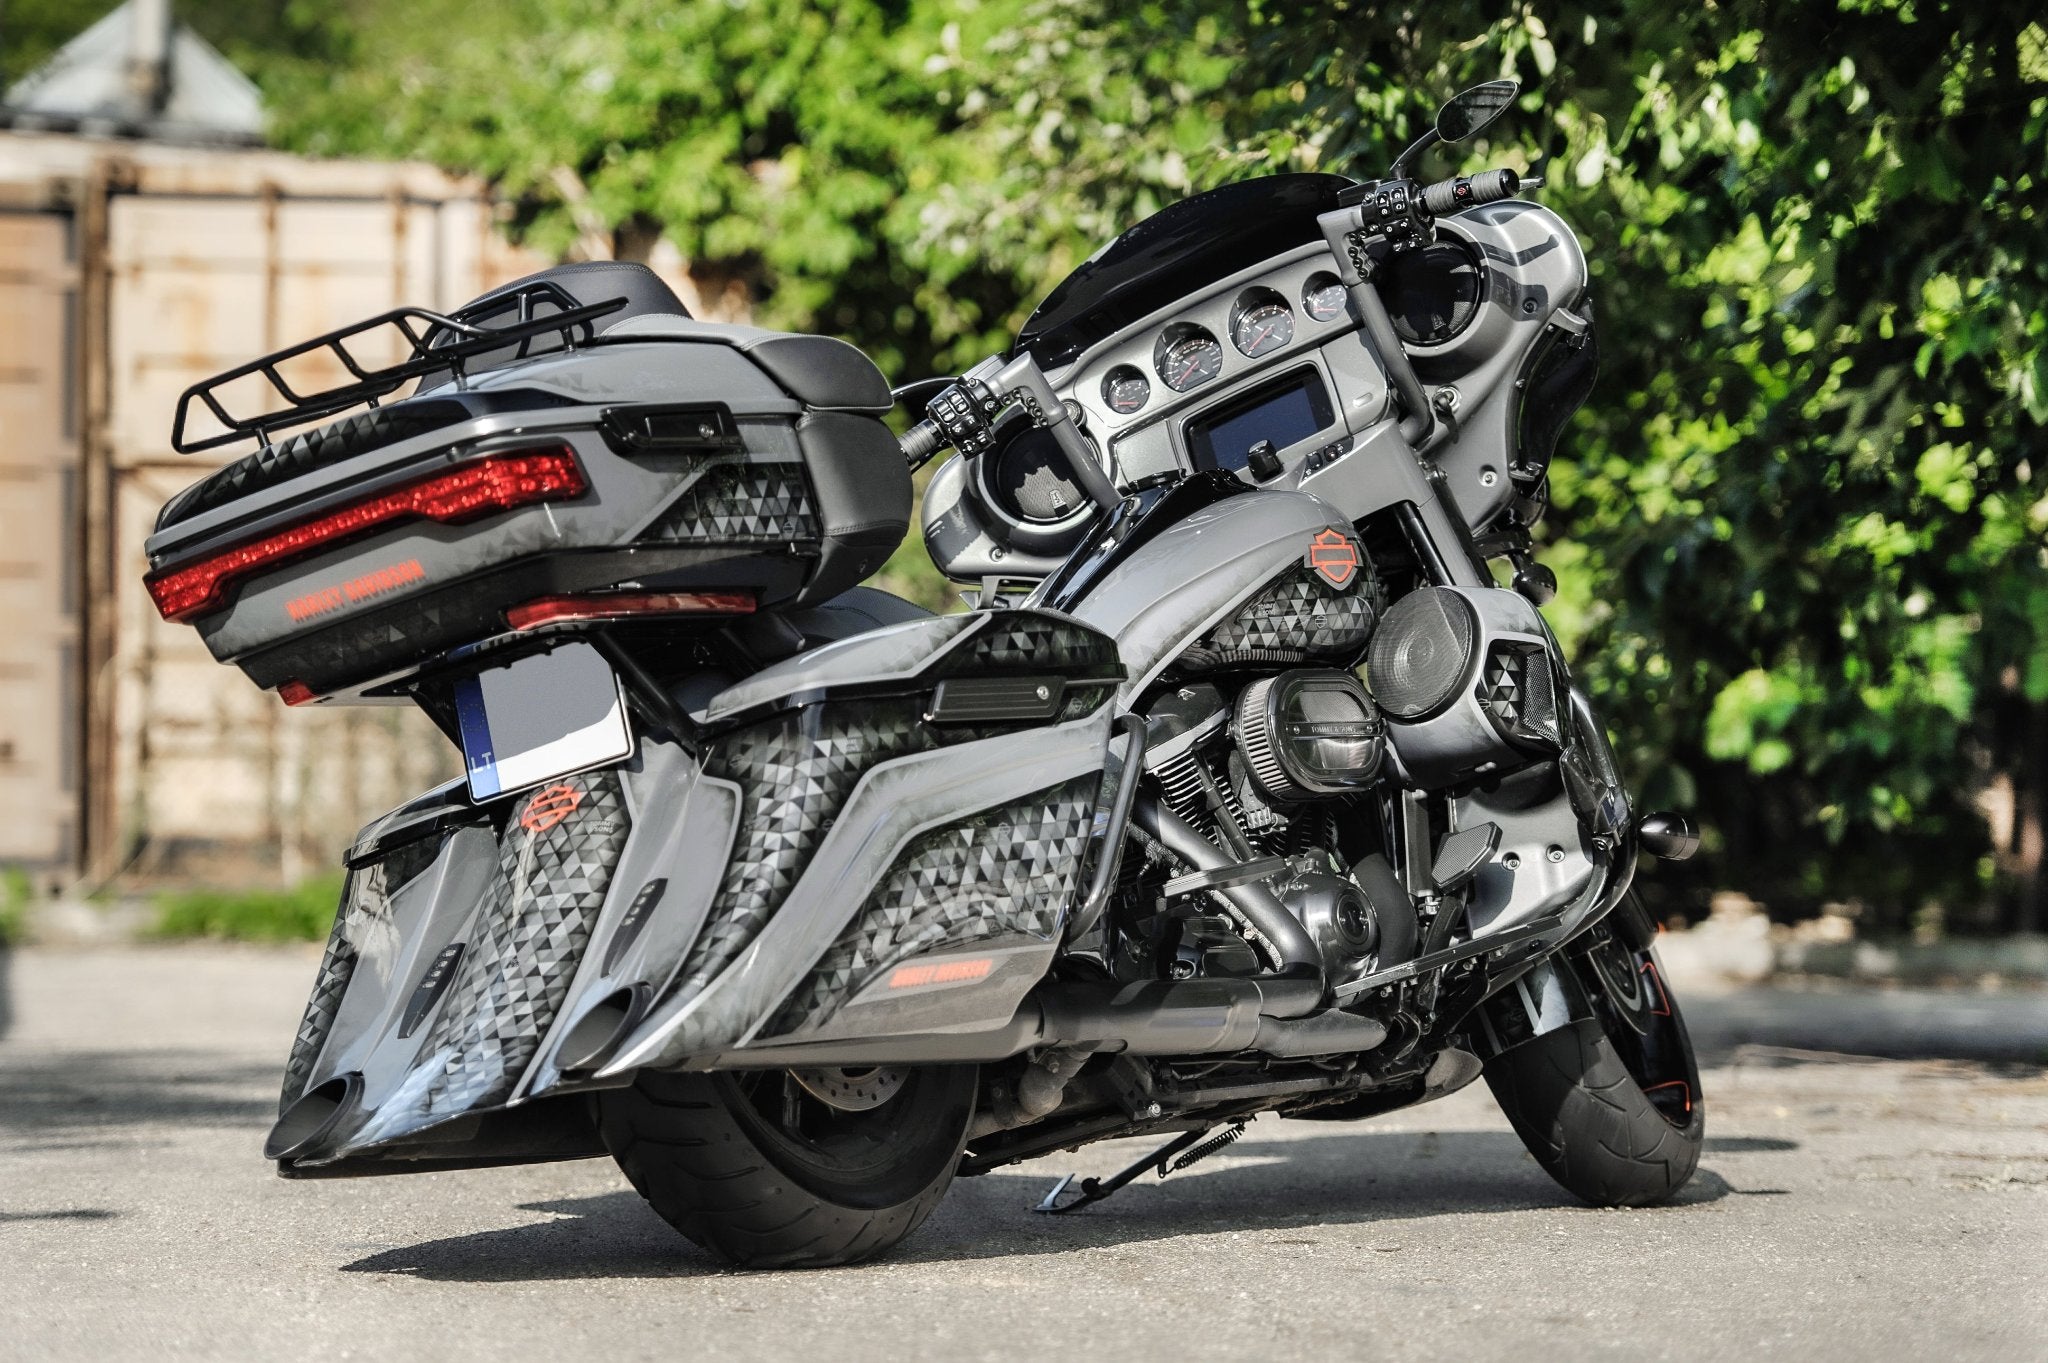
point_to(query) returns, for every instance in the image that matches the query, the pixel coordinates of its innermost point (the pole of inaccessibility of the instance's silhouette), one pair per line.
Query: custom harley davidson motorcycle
(1241, 788)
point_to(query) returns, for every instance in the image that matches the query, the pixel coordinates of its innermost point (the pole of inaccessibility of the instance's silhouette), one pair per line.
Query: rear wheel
(1609, 1103)
(792, 1168)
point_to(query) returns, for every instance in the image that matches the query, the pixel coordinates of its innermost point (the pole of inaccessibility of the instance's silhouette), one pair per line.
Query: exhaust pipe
(309, 1121)
(1155, 1017)
(1300, 957)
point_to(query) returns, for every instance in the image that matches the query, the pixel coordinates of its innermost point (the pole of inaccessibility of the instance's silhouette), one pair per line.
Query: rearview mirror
(1471, 110)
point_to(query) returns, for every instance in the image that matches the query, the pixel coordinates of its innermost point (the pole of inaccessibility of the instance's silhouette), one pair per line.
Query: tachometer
(1125, 389)
(1263, 324)
(1188, 357)
(1324, 298)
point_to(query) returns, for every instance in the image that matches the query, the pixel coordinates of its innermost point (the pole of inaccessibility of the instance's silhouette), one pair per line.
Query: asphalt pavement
(1875, 1187)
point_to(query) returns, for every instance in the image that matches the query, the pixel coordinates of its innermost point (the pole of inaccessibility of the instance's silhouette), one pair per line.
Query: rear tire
(1609, 1104)
(715, 1158)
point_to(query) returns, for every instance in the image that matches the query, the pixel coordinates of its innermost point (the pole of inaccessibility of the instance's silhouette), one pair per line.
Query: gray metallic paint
(1195, 573)
(892, 653)
(891, 804)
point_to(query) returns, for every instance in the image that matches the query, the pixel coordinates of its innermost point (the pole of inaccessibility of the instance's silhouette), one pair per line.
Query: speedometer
(1263, 324)
(1188, 357)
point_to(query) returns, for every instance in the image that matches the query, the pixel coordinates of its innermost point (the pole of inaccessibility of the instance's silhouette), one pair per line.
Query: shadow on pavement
(1386, 1179)
(64, 1214)
(82, 1098)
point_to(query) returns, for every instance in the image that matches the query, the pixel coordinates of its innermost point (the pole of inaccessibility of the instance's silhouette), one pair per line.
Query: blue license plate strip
(540, 718)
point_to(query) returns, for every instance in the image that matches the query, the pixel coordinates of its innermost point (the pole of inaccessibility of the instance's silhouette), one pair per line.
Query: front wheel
(792, 1168)
(1609, 1103)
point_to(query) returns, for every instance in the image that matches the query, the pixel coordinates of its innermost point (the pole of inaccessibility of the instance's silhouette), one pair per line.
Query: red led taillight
(496, 482)
(555, 610)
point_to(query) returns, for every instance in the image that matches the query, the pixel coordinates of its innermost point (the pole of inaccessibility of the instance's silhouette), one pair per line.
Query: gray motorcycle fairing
(708, 900)
(1195, 574)
(893, 803)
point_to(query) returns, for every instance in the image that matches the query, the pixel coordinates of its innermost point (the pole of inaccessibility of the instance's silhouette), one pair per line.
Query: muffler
(1154, 1017)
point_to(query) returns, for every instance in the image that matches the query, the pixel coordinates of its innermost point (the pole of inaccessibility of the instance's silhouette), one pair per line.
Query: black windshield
(1177, 251)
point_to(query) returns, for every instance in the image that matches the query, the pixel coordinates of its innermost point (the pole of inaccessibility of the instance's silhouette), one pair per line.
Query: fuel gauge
(1125, 389)
(1325, 299)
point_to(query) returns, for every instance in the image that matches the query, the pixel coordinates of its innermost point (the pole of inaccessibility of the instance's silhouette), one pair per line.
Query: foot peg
(1462, 854)
(1667, 835)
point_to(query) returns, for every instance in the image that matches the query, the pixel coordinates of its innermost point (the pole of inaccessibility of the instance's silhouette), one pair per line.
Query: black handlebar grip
(1489, 186)
(921, 442)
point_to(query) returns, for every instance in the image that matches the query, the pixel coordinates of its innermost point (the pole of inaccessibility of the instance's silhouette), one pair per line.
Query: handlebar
(921, 442)
(1387, 217)
(1462, 192)
(964, 416)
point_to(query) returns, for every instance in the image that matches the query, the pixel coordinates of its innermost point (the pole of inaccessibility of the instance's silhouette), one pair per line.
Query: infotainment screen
(1285, 412)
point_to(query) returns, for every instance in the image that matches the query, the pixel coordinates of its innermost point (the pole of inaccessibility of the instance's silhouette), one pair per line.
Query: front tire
(1609, 1103)
(775, 1169)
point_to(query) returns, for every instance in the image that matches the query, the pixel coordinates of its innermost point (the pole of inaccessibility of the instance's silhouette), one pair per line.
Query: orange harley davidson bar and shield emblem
(550, 807)
(1333, 554)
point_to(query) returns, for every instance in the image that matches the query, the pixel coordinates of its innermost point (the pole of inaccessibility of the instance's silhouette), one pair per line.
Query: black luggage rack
(438, 342)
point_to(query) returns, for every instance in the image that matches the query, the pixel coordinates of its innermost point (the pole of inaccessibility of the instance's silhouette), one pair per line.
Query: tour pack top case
(527, 485)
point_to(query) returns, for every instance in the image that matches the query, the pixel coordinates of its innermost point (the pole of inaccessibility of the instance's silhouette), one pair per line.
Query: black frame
(429, 334)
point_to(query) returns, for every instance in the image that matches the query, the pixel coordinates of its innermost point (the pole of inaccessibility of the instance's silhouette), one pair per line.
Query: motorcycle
(1241, 787)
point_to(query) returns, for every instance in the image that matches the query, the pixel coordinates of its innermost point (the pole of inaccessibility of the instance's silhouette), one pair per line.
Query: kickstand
(1095, 1190)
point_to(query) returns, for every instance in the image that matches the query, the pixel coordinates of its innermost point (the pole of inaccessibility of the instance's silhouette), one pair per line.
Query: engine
(1268, 775)
(1296, 775)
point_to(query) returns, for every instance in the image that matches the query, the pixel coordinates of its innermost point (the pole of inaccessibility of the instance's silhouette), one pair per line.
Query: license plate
(539, 718)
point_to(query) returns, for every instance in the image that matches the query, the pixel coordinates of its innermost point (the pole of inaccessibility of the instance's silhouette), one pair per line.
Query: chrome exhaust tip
(307, 1123)
(601, 1030)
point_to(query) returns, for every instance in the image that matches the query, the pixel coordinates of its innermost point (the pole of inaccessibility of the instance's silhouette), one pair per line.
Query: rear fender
(444, 995)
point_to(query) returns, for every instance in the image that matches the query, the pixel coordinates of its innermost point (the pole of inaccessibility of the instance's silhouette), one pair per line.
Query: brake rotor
(1623, 978)
(852, 1090)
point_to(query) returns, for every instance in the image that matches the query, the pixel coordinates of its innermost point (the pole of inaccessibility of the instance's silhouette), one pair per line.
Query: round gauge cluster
(1261, 323)
(1187, 356)
(1324, 298)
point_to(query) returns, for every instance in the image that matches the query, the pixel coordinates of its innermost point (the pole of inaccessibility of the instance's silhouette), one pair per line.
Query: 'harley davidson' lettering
(942, 972)
(355, 589)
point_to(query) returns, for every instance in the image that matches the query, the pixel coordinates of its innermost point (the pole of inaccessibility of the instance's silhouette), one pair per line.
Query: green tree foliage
(1802, 520)
(1810, 488)
(773, 143)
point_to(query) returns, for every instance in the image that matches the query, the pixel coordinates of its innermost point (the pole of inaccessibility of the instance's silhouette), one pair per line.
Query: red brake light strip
(553, 610)
(496, 482)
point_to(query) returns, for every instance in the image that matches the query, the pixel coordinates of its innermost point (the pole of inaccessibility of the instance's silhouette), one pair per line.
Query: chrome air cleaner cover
(1309, 733)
